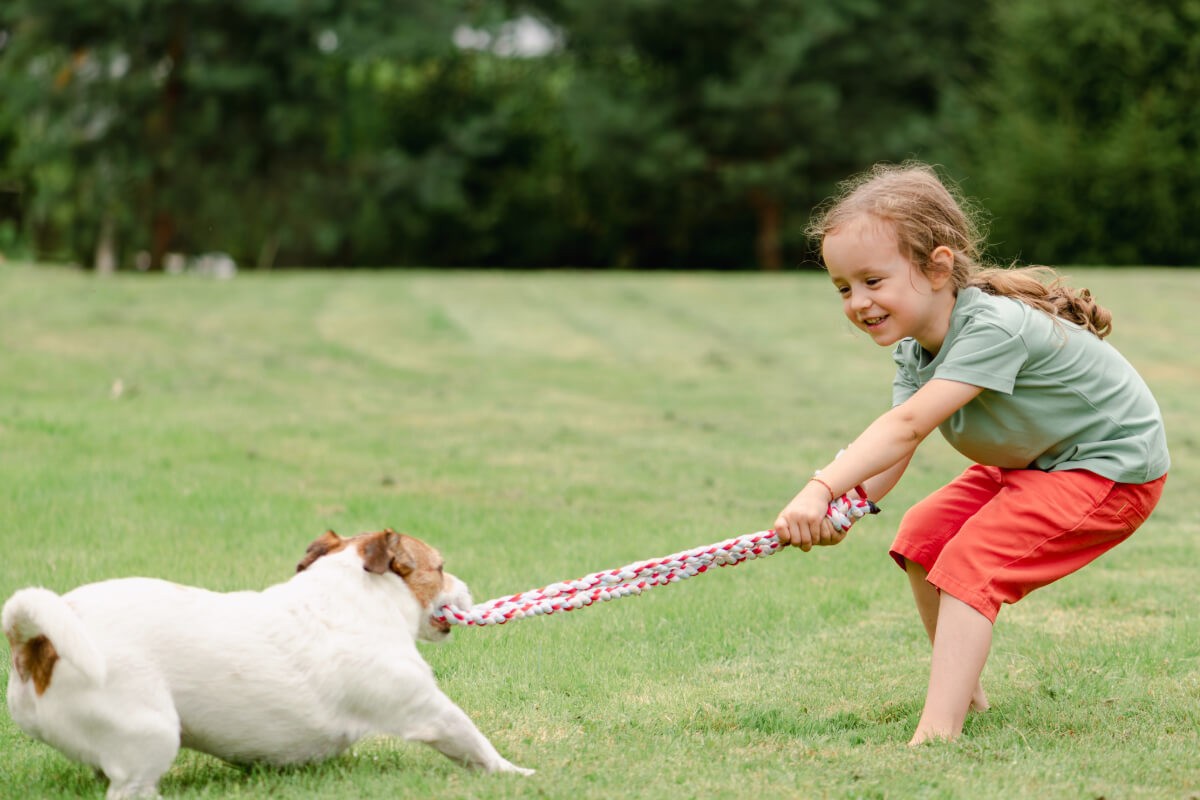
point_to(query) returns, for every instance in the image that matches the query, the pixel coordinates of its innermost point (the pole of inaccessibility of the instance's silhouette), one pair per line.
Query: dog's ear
(387, 551)
(328, 542)
(376, 552)
(403, 561)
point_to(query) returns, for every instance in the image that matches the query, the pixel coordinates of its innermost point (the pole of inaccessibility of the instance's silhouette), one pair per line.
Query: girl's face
(883, 293)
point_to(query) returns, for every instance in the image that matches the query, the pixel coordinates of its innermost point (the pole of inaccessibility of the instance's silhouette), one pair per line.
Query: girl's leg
(1038, 528)
(925, 594)
(928, 600)
(960, 649)
(995, 536)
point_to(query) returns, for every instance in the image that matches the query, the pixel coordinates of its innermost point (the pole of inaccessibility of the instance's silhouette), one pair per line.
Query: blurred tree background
(638, 134)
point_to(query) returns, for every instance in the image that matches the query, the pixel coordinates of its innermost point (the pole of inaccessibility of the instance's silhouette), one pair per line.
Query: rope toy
(642, 576)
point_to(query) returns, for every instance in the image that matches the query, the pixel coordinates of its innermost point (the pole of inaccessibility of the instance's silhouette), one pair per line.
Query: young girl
(1068, 443)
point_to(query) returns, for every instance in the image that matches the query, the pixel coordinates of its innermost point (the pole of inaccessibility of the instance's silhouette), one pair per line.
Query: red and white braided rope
(641, 576)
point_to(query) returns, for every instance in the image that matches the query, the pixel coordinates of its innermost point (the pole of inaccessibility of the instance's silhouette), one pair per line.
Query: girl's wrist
(824, 484)
(821, 482)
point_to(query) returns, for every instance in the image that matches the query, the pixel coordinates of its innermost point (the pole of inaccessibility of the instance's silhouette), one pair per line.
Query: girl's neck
(938, 327)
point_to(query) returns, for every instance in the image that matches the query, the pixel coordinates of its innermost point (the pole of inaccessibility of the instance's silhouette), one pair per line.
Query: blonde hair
(924, 214)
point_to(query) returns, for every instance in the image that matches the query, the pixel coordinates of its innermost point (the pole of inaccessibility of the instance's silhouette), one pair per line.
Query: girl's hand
(804, 522)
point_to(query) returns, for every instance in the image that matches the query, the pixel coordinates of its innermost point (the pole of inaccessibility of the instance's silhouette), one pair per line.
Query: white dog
(121, 674)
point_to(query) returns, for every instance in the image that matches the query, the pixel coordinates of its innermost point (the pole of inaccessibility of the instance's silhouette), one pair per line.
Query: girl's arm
(878, 486)
(879, 456)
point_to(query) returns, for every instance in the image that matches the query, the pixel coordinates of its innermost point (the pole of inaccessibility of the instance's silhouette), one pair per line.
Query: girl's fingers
(806, 538)
(805, 535)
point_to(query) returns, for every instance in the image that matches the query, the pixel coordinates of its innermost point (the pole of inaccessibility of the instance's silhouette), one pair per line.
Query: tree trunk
(266, 254)
(162, 132)
(162, 233)
(768, 248)
(106, 248)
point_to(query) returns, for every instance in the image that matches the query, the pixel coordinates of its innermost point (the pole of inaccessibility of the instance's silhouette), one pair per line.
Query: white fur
(295, 673)
(32, 611)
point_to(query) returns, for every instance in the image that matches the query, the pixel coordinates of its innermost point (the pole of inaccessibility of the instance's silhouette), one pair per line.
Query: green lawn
(541, 426)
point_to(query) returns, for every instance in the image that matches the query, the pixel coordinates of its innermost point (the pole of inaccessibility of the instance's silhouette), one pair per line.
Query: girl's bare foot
(924, 735)
(979, 701)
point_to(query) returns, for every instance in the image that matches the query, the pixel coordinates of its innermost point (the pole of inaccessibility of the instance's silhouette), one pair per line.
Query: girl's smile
(883, 293)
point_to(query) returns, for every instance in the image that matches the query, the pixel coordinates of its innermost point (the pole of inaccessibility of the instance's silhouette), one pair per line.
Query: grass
(537, 427)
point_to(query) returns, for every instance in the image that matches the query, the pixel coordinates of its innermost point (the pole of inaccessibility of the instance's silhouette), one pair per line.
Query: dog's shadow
(197, 772)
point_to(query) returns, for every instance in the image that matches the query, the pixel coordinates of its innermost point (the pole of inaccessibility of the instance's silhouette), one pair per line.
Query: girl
(1068, 443)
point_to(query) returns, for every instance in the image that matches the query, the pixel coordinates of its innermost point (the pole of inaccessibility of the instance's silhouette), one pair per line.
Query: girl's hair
(925, 213)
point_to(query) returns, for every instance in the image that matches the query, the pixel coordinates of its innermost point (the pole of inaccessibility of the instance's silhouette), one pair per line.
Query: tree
(1082, 135)
(700, 123)
(209, 124)
(460, 164)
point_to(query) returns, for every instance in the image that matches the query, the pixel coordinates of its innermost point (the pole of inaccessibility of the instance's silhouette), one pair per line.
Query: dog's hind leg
(139, 751)
(134, 769)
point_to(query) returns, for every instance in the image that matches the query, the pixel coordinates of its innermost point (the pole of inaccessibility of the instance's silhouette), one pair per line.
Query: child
(1068, 443)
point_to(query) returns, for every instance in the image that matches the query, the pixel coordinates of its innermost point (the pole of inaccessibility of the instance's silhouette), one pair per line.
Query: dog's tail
(33, 618)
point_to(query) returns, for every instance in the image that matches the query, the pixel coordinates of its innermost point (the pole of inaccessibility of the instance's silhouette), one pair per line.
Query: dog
(120, 674)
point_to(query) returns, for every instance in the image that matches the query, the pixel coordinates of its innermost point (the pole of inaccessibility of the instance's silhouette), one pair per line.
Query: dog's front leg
(448, 729)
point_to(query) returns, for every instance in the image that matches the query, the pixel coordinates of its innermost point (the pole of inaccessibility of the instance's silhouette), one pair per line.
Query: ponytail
(1046, 290)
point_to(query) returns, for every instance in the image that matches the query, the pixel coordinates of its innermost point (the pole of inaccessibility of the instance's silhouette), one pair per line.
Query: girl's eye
(872, 281)
(843, 290)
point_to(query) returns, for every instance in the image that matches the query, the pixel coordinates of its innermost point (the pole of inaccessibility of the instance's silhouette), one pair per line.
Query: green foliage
(659, 133)
(192, 126)
(459, 164)
(1082, 137)
(699, 125)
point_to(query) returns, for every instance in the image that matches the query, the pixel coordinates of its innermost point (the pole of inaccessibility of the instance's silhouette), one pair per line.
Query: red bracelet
(828, 488)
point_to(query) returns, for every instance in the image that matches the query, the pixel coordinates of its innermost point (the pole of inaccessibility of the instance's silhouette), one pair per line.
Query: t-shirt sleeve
(905, 384)
(984, 355)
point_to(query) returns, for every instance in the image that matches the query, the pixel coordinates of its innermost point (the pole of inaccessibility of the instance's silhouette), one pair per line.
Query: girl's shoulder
(984, 316)
(976, 307)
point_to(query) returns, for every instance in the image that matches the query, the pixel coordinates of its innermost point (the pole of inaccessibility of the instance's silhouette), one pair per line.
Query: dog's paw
(507, 766)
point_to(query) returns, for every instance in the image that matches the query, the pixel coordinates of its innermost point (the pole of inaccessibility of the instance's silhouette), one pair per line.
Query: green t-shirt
(1055, 396)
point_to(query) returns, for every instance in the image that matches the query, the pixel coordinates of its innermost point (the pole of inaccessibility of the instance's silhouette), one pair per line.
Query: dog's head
(418, 564)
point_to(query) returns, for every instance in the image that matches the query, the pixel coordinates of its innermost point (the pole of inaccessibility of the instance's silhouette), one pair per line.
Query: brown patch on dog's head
(417, 563)
(35, 659)
(329, 542)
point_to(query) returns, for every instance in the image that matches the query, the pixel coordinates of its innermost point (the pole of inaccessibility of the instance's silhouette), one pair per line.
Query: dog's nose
(456, 591)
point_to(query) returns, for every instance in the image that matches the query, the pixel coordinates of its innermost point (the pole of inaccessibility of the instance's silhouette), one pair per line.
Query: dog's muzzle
(454, 593)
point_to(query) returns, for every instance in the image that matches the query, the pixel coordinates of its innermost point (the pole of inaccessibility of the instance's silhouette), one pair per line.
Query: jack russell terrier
(121, 674)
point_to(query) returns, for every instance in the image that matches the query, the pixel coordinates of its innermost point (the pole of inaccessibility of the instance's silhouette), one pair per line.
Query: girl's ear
(941, 266)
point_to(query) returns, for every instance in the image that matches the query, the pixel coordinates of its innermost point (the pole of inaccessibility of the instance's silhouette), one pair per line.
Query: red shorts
(993, 535)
